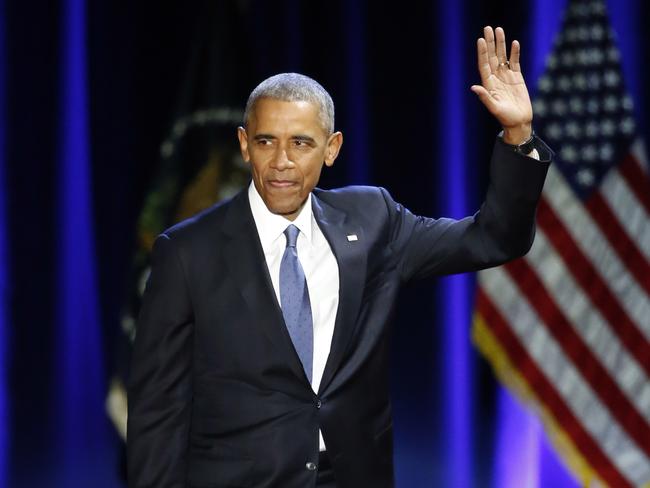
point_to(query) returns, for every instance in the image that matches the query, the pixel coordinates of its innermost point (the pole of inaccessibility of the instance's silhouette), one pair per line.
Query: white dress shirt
(319, 265)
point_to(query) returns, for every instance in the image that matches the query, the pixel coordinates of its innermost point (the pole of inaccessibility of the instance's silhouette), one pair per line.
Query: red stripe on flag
(637, 179)
(619, 240)
(547, 394)
(591, 369)
(593, 285)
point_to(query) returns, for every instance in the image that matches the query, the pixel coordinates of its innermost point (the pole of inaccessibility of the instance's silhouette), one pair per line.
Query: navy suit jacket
(218, 396)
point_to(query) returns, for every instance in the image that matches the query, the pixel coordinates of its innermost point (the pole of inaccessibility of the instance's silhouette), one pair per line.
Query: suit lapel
(351, 259)
(247, 267)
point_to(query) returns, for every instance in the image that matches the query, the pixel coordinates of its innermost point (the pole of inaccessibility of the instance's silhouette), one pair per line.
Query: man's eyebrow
(302, 137)
(259, 137)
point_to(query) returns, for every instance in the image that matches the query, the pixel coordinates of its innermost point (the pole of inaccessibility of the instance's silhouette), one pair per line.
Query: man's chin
(287, 211)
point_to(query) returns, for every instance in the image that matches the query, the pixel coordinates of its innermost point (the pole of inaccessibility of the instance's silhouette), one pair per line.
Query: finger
(483, 61)
(488, 34)
(485, 97)
(501, 45)
(515, 51)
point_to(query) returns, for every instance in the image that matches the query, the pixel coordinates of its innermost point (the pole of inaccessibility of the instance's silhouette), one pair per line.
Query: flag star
(545, 84)
(585, 177)
(591, 129)
(606, 152)
(627, 103)
(607, 128)
(558, 107)
(588, 57)
(597, 55)
(627, 125)
(611, 103)
(573, 129)
(589, 152)
(577, 107)
(597, 32)
(611, 78)
(551, 61)
(539, 107)
(580, 81)
(581, 56)
(554, 130)
(568, 153)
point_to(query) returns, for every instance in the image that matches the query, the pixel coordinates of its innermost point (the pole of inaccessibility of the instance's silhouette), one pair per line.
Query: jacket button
(318, 403)
(310, 466)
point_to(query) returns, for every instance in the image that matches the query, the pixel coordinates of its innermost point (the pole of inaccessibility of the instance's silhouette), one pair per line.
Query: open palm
(502, 90)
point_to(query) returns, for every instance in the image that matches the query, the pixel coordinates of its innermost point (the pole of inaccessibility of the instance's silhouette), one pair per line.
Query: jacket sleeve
(503, 229)
(160, 390)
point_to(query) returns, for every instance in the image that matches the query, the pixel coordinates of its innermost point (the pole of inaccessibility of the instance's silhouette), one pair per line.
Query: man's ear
(243, 143)
(334, 143)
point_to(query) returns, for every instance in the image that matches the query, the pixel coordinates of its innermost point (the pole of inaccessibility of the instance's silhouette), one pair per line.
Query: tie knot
(291, 234)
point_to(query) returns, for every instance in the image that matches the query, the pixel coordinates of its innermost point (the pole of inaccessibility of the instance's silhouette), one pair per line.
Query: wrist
(518, 134)
(526, 147)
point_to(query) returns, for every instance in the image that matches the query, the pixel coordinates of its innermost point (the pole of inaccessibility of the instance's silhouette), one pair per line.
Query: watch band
(525, 147)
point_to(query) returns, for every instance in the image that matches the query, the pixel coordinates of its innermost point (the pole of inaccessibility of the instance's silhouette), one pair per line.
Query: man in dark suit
(261, 356)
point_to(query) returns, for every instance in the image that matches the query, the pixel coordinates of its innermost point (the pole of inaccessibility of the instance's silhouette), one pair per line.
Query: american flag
(568, 326)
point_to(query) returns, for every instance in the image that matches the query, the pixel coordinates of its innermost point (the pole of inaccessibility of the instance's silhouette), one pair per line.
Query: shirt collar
(271, 226)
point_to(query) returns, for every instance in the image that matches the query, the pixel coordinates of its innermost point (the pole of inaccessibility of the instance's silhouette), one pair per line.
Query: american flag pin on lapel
(352, 238)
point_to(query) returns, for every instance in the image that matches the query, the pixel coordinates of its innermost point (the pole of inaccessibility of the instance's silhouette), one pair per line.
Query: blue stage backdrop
(87, 94)
(5, 424)
(81, 429)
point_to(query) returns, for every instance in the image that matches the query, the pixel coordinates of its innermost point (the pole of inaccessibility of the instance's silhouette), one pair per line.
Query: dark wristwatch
(525, 147)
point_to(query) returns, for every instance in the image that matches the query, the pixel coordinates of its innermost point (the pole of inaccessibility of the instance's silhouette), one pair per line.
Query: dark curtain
(89, 91)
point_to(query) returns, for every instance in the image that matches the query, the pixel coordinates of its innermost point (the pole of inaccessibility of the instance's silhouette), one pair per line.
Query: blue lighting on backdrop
(4, 273)
(83, 425)
(517, 444)
(454, 301)
(356, 101)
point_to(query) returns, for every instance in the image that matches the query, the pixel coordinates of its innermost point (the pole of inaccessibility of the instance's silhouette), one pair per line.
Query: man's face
(286, 145)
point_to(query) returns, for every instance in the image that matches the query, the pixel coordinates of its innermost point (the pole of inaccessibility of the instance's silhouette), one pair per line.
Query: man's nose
(281, 160)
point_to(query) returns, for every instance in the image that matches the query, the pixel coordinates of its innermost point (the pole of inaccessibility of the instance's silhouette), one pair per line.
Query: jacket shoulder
(206, 221)
(355, 194)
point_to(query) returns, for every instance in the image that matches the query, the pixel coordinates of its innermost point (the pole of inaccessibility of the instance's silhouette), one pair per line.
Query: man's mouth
(280, 184)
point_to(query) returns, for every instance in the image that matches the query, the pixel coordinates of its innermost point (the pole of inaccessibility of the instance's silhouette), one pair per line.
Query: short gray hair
(294, 87)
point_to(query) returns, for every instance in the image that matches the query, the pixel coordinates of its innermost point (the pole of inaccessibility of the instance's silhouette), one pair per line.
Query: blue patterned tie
(294, 300)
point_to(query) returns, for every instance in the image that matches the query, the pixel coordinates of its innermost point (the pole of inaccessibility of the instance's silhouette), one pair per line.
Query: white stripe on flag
(595, 247)
(629, 212)
(577, 394)
(590, 325)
